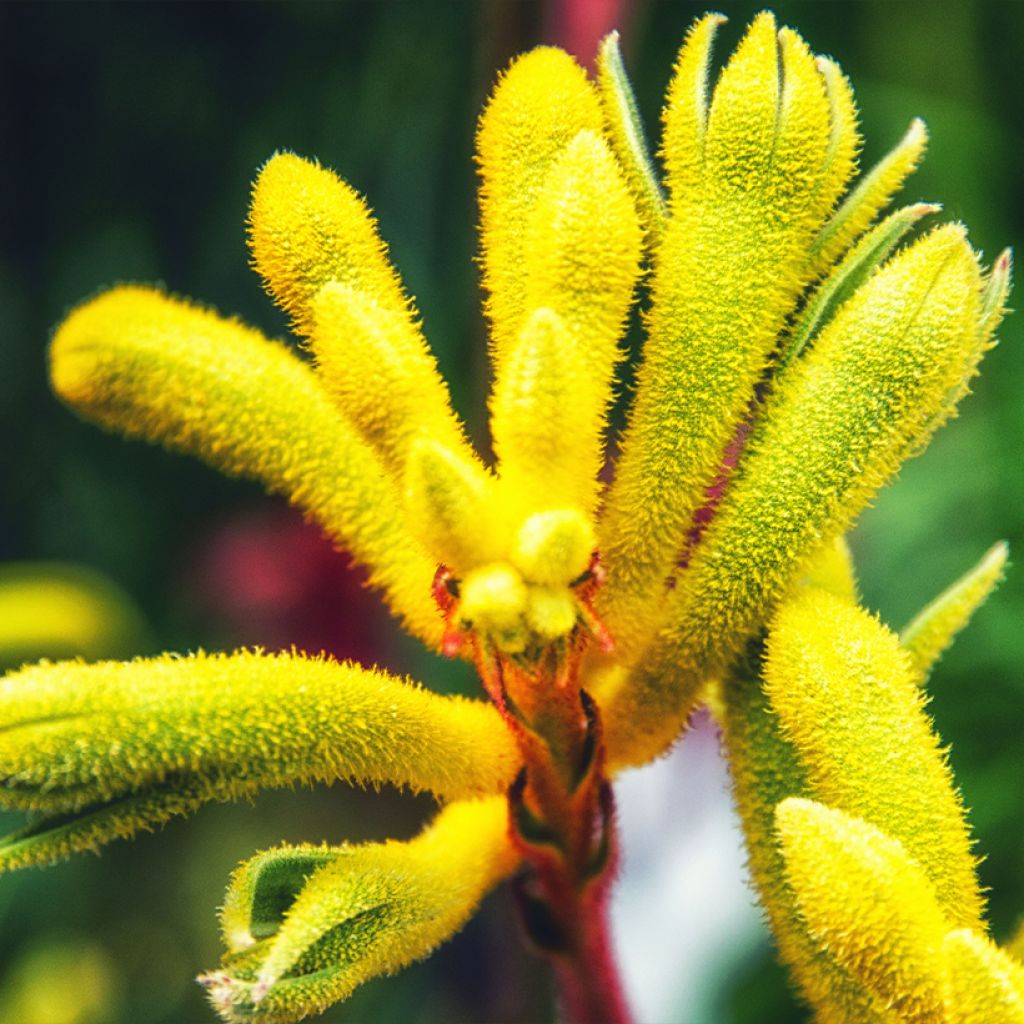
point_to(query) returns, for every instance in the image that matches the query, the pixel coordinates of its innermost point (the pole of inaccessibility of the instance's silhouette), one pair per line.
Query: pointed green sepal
(626, 132)
(929, 634)
(871, 195)
(104, 750)
(322, 921)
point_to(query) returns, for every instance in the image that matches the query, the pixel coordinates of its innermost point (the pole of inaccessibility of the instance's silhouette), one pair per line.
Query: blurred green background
(130, 134)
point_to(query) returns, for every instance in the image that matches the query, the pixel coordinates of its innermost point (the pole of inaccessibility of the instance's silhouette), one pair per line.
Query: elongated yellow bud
(113, 747)
(870, 196)
(537, 108)
(378, 370)
(57, 610)
(935, 627)
(843, 690)
(727, 276)
(983, 984)
(308, 227)
(835, 431)
(626, 133)
(450, 504)
(869, 905)
(546, 420)
(765, 771)
(147, 365)
(363, 911)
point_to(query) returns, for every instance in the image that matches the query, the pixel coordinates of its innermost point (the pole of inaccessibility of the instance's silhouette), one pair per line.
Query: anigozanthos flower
(795, 357)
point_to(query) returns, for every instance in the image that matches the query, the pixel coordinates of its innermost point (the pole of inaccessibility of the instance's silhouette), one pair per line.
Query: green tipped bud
(307, 925)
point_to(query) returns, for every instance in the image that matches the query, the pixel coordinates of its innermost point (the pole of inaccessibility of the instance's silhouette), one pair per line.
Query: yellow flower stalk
(799, 347)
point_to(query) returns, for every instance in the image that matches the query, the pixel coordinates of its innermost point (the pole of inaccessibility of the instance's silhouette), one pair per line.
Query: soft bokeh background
(130, 134)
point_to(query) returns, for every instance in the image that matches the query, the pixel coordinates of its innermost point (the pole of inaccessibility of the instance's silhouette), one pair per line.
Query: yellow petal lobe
(983, 985)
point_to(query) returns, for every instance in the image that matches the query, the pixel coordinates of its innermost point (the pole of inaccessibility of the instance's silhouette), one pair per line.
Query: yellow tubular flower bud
(546, 420)
(113, 747)
(933, 629)
(363, 911)
(869, 197)
(378, 370)
(843, 691)
(765, 770)
(493, 603)
(727, 276)
(308, 227)
(983, 984)
(836, 430)
(554, 546)
(626, 133)
(581, 254)
(450, 505)
(147, 365)
(537, 108)
(869, 905)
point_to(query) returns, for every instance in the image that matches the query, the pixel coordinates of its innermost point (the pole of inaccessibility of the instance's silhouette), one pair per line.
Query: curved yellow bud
(58, 611)
(147, 365)
(308, 227)
(363, 911)
(869, 905)
(546, 420)
(550, 611)
(845, 697)
(451, 507)
(537, 108)
(113, 747)
(868, 198)
(729, 270)
(983, 984)
(839, 425)
(765, 771)
(379, 372)
(934, 628)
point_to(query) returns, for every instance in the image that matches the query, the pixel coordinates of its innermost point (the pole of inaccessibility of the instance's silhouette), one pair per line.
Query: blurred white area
(683, 913)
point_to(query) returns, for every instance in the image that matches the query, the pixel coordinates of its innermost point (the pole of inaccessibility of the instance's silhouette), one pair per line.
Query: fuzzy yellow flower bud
(843, 690)
(449, 504)
(726, 277)
(869, 905)
(148, 365)
(550, 612)
(308, 227)
(307, 925)
(110, 748)
(538, 107)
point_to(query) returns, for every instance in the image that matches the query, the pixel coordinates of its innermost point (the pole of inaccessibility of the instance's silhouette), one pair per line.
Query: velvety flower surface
(798, 349)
